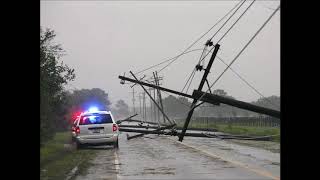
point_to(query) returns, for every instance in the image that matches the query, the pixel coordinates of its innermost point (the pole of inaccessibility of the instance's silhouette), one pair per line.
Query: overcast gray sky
(104, 39)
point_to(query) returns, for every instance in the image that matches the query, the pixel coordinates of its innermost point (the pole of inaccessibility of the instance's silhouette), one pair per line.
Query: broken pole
(142, 121)
(212, 98)
(157, 131)
(138, 126)
(204, 78)
(119, 121)
(215, 99)
(206, 135)
(156, 127)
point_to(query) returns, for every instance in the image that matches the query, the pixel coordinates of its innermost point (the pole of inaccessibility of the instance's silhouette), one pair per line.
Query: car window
(95, 119)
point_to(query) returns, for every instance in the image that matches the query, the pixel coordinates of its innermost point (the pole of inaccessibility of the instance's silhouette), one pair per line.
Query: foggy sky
(104, 39)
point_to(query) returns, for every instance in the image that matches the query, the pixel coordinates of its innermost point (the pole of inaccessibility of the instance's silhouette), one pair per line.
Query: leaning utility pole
(203, 80)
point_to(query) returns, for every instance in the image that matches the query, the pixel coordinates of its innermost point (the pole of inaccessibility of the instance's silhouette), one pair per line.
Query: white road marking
(258, 171)
(116, 162)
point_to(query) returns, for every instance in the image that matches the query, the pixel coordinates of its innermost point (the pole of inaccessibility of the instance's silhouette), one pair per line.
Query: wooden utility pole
(154, 108)
(150, 90)
(140, 106)
(203, 80)
(133, 100)
(144, 107)
(155, 75)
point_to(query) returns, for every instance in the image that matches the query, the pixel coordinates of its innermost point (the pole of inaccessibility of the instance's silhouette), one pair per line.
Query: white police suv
(95, 128)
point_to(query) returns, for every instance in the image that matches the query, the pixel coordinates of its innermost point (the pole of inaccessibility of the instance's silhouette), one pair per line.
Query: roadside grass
(56, 161)
(239, 129)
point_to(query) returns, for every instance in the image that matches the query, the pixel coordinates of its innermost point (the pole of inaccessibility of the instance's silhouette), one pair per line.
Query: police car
(95, 127)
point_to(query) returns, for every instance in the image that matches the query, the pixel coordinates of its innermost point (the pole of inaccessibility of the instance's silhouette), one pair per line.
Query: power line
(228, 19)
(194, 69)
(247, 82)
(190, 82)
(230, 28)
(236, 21)
(209, 30)
(172, 58)
(191, 44)
(168, 60)
(241, 51)
(245, 46)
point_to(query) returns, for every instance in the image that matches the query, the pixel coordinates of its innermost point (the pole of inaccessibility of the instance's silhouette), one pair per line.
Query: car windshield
(95, 119)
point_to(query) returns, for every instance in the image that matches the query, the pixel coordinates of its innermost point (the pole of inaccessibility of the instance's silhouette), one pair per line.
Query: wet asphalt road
(161, 157)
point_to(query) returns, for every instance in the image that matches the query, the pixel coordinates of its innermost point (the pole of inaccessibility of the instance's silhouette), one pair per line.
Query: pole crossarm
(154, 86)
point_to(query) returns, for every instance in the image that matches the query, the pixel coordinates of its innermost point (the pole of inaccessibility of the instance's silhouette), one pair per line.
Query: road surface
(162, 157)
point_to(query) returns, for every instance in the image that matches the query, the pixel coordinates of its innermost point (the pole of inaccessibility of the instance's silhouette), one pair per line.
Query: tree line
(58, 106)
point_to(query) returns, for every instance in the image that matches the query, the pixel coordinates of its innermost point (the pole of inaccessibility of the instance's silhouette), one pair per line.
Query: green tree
(272, 102)
(53, 76)
(176, 107)
(81, 100)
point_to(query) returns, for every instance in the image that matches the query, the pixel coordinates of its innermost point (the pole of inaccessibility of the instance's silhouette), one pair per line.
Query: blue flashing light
(92, 119)
(93, 109)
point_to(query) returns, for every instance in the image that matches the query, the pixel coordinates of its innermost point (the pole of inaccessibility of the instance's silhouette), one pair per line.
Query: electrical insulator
(199, 67)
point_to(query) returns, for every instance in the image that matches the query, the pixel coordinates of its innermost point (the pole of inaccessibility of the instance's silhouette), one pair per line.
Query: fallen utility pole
(139, 121)
(154, 86)
(137, 126)
(212, 98)
(131, 116)
(216, 100)
(156, 127)
(157, 131)
(128, 118)
(220, 136)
